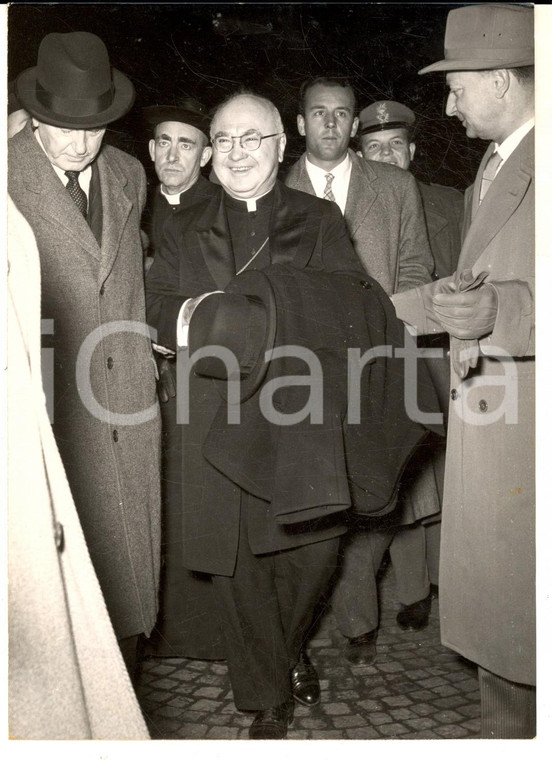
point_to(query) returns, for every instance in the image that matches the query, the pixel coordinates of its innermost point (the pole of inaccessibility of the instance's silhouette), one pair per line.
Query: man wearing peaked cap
(487, 574)
(83, 201)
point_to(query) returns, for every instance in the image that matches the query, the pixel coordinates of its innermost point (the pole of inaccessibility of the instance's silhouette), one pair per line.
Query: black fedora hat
(243, 320)
(186, 110)
(73, 84)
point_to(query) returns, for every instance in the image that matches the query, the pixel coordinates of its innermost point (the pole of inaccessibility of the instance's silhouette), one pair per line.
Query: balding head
(244, 172)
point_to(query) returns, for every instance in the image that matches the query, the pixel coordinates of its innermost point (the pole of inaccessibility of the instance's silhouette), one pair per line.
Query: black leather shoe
(361, 650)
(272, 723)
(415, 616)
(305, 685)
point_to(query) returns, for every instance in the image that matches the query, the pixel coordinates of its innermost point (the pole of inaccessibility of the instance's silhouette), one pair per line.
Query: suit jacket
(161, 209)
(385, 221)
(196, 258)
(443, 210)
(67, 679)
(112, 464)
(489, 501)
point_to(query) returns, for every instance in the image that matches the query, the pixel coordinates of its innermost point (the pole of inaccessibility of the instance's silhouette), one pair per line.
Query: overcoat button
(365, 284)
(115, 436)
(109, 362)
(454, 394)
(483, 406)
(58, 536)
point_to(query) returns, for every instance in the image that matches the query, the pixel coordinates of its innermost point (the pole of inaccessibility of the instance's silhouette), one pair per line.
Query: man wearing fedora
(83, 202)
(487, 573)
(187, 625)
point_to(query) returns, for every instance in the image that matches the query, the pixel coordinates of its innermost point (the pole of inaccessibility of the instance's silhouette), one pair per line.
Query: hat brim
(477, 64)
(123, 99)
(155, 115)
(255, 283)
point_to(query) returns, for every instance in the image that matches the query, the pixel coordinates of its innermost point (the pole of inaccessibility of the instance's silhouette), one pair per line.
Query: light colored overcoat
(487, 576)
(67, 679)
(87, 288)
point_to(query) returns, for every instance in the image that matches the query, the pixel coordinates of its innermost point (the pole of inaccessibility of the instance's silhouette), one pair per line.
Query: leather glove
(166, 388)
(467, 315)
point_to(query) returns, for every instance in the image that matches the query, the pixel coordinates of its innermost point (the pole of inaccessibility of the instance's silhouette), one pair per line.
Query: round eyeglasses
(249, 141)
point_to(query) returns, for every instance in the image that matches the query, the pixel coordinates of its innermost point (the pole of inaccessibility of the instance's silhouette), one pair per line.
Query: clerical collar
(259, 203)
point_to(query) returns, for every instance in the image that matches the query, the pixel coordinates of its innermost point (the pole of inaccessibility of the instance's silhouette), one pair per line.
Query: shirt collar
(339, 172)
(173, 200)
(507, 147)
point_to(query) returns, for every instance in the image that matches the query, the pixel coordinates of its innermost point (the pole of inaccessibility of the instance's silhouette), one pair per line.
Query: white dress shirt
(508, 146)
(340, 183)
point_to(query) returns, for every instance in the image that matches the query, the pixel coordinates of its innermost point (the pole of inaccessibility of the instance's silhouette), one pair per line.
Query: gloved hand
(166, 388)
(469, 314)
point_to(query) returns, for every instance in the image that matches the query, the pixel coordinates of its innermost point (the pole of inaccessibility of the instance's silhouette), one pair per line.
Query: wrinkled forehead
(179, 129)
(386, 135)
(242, 114)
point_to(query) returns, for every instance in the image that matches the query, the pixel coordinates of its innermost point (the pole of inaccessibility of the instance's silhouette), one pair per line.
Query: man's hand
(166, 388)
(467, 315)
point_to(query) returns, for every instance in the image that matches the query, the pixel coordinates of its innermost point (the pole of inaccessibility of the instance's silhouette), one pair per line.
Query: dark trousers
(266, 609)
(508, 709)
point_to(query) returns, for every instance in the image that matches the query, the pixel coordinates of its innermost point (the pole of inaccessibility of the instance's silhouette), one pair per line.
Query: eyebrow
(180, 139)
(337, 108)
(222, 133)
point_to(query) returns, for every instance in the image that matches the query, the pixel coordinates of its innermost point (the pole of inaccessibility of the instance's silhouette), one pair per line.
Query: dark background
(209, 50)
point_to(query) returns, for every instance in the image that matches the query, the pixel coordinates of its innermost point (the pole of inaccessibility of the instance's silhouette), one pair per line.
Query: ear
(206, 155)
(151, 146)
(501, 82)
(301, 125)
(281, 147)
(354, 127)
(412, 150)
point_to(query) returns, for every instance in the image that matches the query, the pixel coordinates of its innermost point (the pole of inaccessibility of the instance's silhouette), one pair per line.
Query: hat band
(385, 125)
(489, 54)
(74, 106)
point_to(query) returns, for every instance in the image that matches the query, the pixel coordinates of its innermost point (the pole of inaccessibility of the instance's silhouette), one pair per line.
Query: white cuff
(185, 315)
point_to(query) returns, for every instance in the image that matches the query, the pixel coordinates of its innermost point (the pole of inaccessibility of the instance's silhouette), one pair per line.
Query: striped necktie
(328, 194)
(76, 192)
(489, 173)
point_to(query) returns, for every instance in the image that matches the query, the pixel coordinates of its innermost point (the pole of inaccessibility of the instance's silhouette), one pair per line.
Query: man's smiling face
(243, 173)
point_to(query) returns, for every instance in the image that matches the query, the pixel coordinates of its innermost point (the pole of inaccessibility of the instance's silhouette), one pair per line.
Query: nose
(80, 142)
(173, 153)
(237, 151)
(451, 104)
(330, 122)
(385, 149)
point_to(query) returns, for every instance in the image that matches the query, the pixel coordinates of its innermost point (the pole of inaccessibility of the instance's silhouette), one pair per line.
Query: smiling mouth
(240, 169)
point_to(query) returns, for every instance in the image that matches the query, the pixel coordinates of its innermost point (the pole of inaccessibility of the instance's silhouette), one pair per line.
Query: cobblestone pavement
(416, 689)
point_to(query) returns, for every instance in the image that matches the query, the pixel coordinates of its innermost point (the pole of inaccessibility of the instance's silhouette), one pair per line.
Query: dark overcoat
(105, 413)
(196, 257)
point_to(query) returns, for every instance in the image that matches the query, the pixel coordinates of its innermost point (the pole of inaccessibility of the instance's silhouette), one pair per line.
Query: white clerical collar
(339, 172)
(251, 202)
(84, 176)
(174, 199)
(508, 146)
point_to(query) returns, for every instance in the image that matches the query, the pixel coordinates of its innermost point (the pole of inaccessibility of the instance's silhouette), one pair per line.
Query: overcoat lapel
(116, 207)
(289, 231)
(503, 197)
(361, 194)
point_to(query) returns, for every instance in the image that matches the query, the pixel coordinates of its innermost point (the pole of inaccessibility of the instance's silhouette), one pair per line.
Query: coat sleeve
(514, 330)
(163, 296)
(415, 259)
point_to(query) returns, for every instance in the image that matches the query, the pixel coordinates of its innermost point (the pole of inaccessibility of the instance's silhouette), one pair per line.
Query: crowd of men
(221, 504)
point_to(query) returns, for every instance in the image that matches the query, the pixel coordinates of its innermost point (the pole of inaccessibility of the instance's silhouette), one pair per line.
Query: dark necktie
(76, 192)
(328, 193)
(489, 173)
